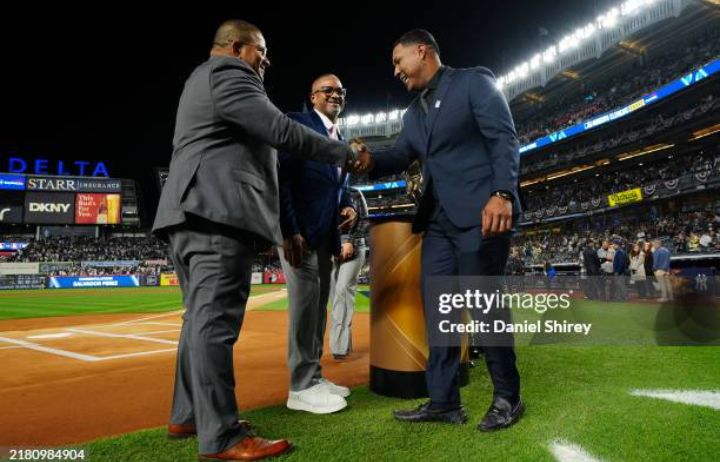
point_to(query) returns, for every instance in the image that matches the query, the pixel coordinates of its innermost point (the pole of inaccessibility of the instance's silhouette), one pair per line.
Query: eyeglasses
(261, 50)
(329, 91)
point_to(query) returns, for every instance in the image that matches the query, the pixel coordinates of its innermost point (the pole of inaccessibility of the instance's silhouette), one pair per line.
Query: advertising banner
(257, 278)
(276, 277)
(11, 206)
(109, 263)
(50, 208)
(51, 267)
(35, 183)
(11, 214)
(99, 185)
(169, 279)
(9, 269)
(157, 262)
(12, 182)
(92, 281)
(60, 183)
(12, 245)
(149, 280)
(625, 197)
(22, 282)
(97, 209)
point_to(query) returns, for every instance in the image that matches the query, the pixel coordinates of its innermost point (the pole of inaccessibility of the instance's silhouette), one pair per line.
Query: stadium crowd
(657, 124)
(621, 90)
(682, 233)
(611, 182)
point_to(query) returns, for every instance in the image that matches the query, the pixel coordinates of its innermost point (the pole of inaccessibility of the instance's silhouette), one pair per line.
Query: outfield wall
(39, 281)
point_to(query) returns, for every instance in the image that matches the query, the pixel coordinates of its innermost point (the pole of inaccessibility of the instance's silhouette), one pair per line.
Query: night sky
(102, 83)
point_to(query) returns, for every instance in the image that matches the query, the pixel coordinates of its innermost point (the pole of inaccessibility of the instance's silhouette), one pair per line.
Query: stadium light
(394, 115)
(535, 61)
(352, 120)
(610, 19)
(367, 119)
(380, 117)
(549, 55)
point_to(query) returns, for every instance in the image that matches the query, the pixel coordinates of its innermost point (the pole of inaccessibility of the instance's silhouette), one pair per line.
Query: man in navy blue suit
(315, 205)
(461, 129)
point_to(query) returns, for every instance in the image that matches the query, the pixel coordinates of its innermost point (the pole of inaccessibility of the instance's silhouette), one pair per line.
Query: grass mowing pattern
(575, 393)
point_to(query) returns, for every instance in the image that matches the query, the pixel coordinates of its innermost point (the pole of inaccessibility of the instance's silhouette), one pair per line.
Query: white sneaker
(316, 399)
(336, 390)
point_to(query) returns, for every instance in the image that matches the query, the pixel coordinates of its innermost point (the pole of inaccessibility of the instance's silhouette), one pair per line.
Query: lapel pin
(437, 104)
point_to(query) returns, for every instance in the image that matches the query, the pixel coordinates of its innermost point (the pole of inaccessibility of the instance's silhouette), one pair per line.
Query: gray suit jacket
(224, 165)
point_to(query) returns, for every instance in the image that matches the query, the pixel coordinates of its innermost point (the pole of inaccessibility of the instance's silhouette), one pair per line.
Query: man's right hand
(364, 162)
(294, 248)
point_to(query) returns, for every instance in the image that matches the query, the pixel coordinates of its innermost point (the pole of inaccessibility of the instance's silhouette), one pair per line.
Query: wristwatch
(507, 195)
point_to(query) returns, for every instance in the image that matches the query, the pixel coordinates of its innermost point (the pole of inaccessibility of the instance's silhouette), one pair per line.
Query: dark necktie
(423, 100)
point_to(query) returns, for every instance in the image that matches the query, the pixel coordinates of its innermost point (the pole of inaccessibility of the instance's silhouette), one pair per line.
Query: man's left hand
(497, 217)
(349, 216)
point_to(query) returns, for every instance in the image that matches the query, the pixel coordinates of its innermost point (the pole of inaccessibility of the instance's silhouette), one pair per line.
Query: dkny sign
(49, 208)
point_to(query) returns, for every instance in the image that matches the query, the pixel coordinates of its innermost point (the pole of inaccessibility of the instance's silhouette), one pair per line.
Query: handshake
(362, 162)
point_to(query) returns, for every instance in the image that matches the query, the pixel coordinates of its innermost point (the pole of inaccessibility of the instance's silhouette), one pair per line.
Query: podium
(398, 340)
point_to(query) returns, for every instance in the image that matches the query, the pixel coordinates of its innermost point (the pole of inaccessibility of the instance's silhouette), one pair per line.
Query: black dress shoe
(501, 415)
(423, 413)
(339, 357)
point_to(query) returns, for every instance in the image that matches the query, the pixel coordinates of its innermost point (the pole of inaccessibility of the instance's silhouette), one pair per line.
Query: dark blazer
(467, 146)
(621, 262)
(311, 194)
(224, 163)
(591, 261)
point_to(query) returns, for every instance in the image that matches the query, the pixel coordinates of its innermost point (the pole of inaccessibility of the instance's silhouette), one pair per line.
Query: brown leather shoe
(251, 448)
(181, 432)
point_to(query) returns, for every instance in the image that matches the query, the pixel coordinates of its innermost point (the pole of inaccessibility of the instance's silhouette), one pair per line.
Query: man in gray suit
(220, 206)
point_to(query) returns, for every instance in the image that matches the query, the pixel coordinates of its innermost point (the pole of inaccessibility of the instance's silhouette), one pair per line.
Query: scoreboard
(60, 200)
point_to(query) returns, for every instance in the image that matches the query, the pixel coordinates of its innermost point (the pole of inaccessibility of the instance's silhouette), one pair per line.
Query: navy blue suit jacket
(467, 146)
(621, 262)
(311, 195)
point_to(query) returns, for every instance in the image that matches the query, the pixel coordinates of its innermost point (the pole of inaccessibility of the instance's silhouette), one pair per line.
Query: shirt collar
(435, 81)
(325, 120)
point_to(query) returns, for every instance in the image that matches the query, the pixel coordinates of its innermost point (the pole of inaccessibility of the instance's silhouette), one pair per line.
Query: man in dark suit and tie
(461, 129)
(592, 270)
(220, 205)
(313, 199)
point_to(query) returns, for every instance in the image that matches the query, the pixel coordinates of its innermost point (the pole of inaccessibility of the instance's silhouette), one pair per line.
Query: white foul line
(55, 351)
(709, 399)
(58, 335)
(133, 321)
(564, 451)
(131, 355)
(127, 336)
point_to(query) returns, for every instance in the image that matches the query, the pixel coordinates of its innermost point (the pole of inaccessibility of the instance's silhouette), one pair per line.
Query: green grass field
(575, 393)
(19, 304)
(579, 394)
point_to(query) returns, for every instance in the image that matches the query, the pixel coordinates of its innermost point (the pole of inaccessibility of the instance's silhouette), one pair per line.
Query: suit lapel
(433, 110)
(330, 170)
